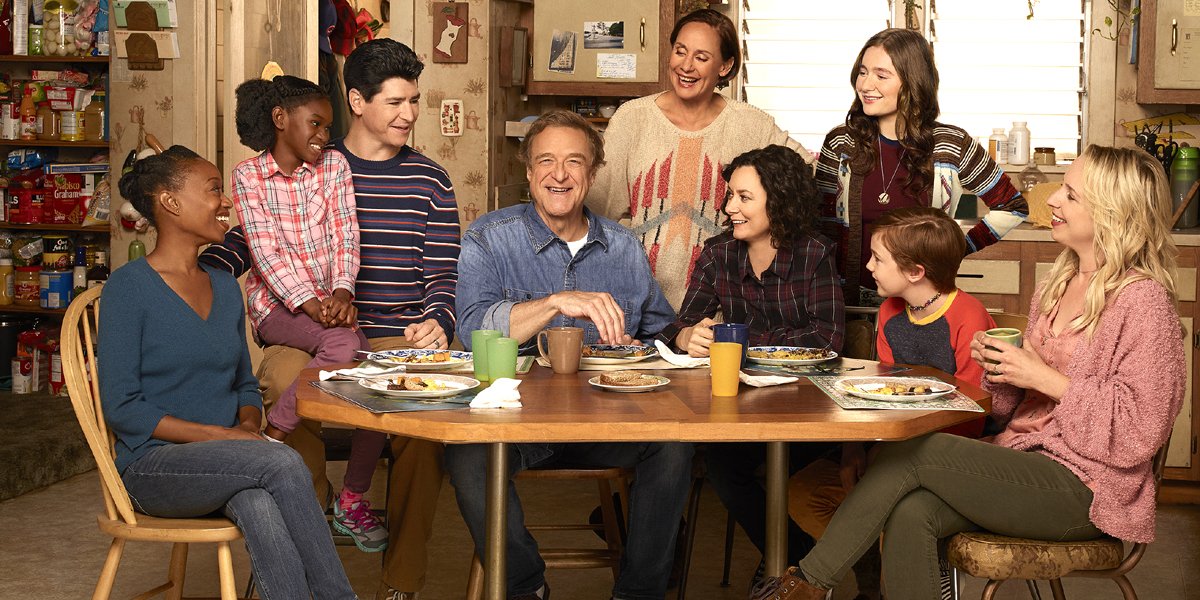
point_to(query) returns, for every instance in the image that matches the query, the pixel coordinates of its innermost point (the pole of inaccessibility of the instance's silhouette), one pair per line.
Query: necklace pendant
(884, 198)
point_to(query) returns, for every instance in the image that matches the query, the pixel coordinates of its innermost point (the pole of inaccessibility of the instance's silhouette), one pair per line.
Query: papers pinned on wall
(164, 43)
(616, 66)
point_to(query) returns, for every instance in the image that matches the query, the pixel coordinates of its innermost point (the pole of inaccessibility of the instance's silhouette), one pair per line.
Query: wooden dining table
(565, 408)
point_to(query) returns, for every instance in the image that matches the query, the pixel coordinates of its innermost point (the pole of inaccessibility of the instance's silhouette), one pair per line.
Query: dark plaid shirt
(798, 301)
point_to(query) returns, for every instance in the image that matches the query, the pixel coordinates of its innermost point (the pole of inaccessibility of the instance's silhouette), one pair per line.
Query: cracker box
(69, 189)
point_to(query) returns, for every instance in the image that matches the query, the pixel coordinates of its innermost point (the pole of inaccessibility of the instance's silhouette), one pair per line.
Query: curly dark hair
(153, 174)
(792, 195)
(726, 32)
(377, 61)
(257, 98)
(917, 105)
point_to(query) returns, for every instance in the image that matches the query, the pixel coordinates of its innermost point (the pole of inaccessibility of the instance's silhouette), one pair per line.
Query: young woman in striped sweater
(892, 153)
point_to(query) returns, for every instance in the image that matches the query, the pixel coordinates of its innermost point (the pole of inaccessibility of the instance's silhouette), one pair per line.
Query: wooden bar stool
(581, 557)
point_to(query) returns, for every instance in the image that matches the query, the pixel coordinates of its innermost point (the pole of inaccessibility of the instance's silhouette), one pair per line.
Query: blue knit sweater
(157, 357)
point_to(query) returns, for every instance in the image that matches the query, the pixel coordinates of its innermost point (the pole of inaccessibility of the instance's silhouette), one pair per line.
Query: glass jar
(93, 121)
(48, 125)
(27, 286)
(1044, 156)
(1031, 176)
(35, 40)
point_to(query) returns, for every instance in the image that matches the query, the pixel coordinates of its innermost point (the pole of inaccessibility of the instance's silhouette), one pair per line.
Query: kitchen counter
(1027, 232)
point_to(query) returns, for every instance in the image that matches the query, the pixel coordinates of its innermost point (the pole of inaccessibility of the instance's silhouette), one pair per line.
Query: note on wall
(1189, 54)
(1191, 8)
(616, 66)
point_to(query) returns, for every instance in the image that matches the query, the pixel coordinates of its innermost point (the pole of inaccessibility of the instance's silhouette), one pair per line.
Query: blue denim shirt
(510, 256)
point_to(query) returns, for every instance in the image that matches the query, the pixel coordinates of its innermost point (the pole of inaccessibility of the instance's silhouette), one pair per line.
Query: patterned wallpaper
(464, 157)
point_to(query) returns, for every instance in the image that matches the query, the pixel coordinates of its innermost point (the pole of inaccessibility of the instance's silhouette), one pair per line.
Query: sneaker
(542, 594)
(760, 574)
(386, 592)
(361, 525)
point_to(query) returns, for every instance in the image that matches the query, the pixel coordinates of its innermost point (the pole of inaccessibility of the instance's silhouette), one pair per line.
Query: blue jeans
(264, 488)
(662, 473)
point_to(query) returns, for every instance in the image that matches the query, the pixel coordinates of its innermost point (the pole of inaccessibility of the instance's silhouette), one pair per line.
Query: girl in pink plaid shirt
(296, 202)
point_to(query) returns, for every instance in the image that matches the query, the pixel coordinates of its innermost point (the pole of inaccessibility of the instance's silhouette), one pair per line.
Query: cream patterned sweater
(667, 182)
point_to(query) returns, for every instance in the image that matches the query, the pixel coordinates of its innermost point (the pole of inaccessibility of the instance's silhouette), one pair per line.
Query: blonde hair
(1130, 203)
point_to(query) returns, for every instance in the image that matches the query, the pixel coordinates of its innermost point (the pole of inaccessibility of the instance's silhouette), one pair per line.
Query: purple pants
(328, 347)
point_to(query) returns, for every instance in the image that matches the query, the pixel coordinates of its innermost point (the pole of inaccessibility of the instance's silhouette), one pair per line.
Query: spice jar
(1044, 156)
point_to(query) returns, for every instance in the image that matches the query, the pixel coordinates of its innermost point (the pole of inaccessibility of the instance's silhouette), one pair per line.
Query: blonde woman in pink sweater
(1084, 404)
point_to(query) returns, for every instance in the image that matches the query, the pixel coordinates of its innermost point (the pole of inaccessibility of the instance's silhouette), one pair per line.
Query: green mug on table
(1005, 334)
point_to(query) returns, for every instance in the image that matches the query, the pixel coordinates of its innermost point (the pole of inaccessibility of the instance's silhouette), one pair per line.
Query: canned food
(56, 373)
(57, 252)
(55, 289)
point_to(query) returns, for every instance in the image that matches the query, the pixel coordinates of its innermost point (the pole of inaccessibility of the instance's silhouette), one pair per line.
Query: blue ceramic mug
(733, 332)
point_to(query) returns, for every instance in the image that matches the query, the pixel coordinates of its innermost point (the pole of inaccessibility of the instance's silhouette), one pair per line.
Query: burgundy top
(898, 197)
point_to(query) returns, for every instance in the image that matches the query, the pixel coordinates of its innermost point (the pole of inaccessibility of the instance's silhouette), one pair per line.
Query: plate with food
(628, 381)
(605, 354)
(420, 386)
(894, 389)
(789, 355)
(420, 360)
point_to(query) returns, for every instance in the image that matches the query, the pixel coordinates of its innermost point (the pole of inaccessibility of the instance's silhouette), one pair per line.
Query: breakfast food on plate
(593, 352)
(436, 357)
(896, 389)
(791, 354)
(414, 384)
(627, 378)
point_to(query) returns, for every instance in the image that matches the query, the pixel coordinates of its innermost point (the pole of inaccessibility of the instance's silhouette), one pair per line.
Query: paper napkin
(679, 360)
(764, 380)
(501, 394)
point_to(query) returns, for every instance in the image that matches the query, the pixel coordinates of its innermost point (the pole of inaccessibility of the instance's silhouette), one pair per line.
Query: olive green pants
(922, 490)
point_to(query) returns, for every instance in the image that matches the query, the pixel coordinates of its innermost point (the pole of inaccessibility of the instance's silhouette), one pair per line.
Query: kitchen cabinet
(69, 152)
(647, 28)
(1003, 276)
(1169, 52)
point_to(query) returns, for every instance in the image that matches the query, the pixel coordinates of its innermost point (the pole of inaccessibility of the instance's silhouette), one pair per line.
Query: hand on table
(597, 307)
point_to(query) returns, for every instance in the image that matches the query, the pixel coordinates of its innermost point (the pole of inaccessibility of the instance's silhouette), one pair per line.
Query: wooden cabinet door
(646, 28)
(1169, 52)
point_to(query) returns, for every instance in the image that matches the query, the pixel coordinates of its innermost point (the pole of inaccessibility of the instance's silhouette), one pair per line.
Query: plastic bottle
(998, 145)
(47, 123)
(28, 115)
(1185, 170)
(79, 272)
(98, 274)
(93, 119)
(6, 281)
(1018, 144)
(71, 125)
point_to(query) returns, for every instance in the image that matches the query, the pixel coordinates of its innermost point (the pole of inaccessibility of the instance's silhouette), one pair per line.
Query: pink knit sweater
(1126, 386)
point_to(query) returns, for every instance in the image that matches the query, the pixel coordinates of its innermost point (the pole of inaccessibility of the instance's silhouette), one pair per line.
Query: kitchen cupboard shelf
(11, 58)
(32, 310)
(53, 144)
(69, 227)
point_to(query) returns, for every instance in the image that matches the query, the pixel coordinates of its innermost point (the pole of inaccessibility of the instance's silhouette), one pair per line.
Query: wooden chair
(119, 519)
(576, 558)
(1019, 322)
(998, 558)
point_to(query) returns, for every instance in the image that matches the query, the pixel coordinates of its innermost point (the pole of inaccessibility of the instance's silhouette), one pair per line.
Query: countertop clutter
(1031, 233)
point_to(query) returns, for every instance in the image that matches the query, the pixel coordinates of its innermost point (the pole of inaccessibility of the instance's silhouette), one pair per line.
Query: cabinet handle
(642, 35)
(1174, 35)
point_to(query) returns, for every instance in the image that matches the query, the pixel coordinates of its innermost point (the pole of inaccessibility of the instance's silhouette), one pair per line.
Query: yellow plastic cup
(726, 359)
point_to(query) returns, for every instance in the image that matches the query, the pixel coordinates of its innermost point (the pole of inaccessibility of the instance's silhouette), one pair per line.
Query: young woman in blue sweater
(179, 394)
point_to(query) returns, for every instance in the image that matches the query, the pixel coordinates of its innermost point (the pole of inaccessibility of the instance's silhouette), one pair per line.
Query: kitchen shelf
(34, 310)
(72, 227)
(55, 59)
(54, 144)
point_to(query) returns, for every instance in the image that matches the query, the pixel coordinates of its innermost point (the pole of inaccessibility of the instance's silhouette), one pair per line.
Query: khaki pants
(415, 479)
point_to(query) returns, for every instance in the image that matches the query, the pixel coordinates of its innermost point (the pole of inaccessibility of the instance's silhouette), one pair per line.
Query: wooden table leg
(777, 476)
(494, 567)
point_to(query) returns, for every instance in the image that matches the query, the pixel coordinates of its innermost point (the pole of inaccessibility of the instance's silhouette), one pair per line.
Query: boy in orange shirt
(925, 320)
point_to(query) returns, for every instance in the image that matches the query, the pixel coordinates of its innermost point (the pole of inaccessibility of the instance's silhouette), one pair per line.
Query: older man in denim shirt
(554, 263)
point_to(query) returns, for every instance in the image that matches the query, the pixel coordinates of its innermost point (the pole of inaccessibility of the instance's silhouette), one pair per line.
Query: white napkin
(364, 372)
(679, 360)
(501, 394)
(764, 380)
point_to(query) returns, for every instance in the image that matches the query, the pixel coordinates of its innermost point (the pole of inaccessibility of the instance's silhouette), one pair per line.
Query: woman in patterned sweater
(664, 152)
(891, 153)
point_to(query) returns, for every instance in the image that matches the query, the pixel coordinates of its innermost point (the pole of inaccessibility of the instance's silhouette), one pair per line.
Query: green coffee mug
(1007, 334)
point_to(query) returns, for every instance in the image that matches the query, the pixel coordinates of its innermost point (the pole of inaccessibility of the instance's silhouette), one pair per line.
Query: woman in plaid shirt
(296, 202)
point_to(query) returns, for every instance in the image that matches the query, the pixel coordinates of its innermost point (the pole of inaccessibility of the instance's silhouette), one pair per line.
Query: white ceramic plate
(408, 358)
(793, 362)
(617, 355)
(867, 387)
(450, 385)
(630, 388)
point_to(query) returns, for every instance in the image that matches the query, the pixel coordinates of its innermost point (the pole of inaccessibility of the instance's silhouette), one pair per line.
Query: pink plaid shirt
(301, 229)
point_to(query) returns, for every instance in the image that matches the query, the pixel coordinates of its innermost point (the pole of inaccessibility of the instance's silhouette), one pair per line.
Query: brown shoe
(792, 586)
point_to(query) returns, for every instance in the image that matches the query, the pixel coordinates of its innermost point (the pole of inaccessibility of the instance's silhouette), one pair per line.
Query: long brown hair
(917, 108)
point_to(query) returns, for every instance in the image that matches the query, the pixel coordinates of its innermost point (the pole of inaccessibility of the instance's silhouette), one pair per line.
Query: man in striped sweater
(408, 224)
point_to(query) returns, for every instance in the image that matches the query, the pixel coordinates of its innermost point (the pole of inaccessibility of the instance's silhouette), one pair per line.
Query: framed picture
(450, 41)
(451, 118)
